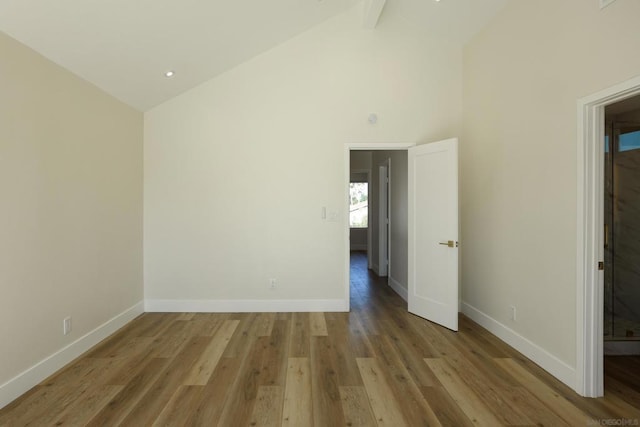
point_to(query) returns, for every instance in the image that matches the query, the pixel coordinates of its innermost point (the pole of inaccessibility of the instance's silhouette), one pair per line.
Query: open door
(433, 232)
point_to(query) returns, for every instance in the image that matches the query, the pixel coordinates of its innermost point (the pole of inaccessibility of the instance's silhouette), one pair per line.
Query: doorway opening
(622, 228)
(423, 225)
(382, 238)
(591, 234)
(621, 312)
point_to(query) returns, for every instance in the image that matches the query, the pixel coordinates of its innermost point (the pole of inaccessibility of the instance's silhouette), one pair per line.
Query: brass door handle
(450, 243)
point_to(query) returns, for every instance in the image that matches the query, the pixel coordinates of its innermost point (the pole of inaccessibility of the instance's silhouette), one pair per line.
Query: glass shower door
(608, 228)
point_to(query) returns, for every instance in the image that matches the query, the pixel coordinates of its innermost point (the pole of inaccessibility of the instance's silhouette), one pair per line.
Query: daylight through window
(359, 207)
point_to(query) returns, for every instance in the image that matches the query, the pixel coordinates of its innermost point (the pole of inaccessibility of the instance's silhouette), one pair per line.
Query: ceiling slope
(125, 47)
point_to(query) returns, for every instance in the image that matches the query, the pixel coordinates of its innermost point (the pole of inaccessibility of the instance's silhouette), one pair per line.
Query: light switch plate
(66, 325)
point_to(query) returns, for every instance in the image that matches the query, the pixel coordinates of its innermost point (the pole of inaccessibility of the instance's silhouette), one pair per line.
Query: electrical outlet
(512, 312)
(66, 325)
(272, 284)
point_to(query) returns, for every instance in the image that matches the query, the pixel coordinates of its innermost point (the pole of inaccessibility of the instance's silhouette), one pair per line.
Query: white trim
(20, 384)
(390, 219)
(244, 306)
(369, 228)
(398, 288)
(373, 146)
(384, 217)
(540, 356)
(589, 288)
(375, 269)
(378, 146)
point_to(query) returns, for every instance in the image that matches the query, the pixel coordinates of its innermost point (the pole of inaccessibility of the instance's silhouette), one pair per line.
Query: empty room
(319, 213)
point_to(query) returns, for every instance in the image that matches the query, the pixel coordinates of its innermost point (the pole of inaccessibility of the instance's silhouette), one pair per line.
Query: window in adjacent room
(629, 141)
(359, 207)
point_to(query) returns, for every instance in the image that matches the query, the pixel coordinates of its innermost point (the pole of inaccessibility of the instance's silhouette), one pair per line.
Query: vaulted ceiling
(126, 46)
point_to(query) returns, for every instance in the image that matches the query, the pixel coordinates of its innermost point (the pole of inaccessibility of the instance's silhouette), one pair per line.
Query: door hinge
(600, 265)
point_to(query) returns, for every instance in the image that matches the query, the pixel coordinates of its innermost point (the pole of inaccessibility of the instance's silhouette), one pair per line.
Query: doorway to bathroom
(621, 316)
(590, 242)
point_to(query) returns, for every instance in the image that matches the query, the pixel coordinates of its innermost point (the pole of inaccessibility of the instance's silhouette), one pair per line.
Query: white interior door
(433, 232)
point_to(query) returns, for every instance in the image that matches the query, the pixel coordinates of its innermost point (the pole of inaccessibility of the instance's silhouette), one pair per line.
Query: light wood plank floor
(377, 365)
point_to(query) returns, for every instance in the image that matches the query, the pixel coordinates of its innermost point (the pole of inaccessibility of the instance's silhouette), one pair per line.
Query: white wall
(70, 215)
(523, 76)
(238, 169)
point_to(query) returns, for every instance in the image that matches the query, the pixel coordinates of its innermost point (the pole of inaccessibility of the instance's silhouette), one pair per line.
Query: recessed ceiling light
(169, 73)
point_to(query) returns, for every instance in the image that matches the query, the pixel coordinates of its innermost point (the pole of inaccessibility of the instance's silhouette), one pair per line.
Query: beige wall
(71, 207)
(237, 170)
(523, 76)
(360, 160)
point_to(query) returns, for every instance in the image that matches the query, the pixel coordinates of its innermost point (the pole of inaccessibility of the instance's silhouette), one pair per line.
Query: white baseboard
(400, 290)
(244, 306)
(375, 268)
(540, 356)
(358, 247)
(23, 382)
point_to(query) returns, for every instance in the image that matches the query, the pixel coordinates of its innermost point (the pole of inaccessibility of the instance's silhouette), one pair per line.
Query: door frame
(590, 234)
(348, 147)
(384, 211)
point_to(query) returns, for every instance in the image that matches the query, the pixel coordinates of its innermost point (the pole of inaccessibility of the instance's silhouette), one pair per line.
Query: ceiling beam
(605, 3)
(372, 12)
